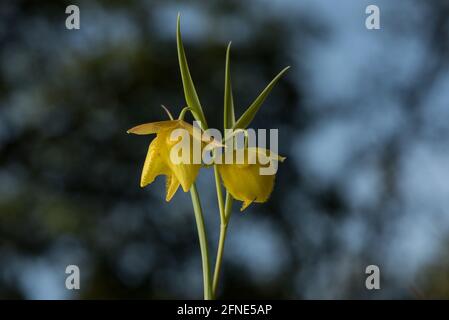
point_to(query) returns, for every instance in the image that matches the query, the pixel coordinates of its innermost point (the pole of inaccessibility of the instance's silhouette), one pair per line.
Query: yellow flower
(245, 181)
(158, 161)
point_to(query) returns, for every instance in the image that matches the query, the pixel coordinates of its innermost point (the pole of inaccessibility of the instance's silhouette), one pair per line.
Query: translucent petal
(158, 160)
(171, 186)
(154, 163)
(153, 127)
(244, 181)
(245, 204)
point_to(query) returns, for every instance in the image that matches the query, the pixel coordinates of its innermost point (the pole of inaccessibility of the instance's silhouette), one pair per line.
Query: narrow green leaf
(229, 116)
(251, 112)
(190, 94)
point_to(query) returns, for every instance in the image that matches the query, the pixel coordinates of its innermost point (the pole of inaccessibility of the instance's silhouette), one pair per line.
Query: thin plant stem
(222, 240)
(221, 206)
(218, 262)
(222, 210)
(208, 295)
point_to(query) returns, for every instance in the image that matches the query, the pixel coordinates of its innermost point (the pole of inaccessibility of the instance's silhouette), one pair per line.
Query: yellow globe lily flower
(245, 181)
(158, 160)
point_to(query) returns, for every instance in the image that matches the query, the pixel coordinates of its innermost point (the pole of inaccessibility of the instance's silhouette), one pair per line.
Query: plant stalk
(222, 240)
(208, 295)
(221, 205)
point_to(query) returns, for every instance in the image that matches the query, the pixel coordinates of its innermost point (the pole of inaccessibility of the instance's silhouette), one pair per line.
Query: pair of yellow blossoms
(243, 181)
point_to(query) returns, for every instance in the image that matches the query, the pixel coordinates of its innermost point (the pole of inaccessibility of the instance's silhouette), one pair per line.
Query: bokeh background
(363, 119)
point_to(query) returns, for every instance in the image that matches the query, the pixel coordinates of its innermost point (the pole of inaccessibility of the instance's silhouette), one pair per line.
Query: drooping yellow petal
(185, 173)
(154, 164)
(153, 127)
(245, 204)
(171, 186)
(158, 161)
(245, 181)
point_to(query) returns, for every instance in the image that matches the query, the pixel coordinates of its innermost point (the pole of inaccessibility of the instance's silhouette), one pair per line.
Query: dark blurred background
(363, 119)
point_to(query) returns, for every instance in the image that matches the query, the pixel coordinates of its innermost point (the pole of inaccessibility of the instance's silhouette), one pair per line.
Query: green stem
(219, 194)
(202, 234)
(221, 243)
(183, 113)
(203, 242)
